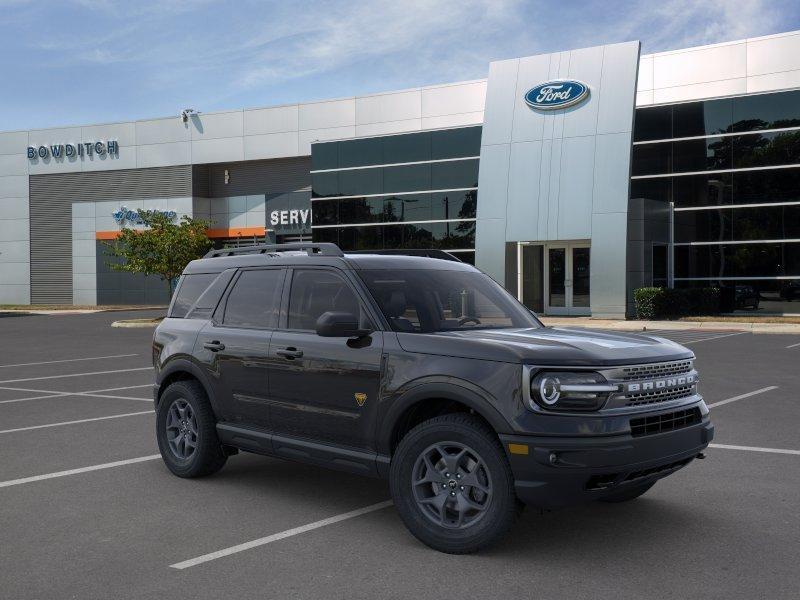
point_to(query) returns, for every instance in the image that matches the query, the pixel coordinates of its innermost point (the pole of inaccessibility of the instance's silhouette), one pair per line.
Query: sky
(72, 62)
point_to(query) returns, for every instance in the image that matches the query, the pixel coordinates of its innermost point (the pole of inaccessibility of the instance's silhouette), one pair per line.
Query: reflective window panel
(728, 115)
(726, 224)
(754, 297)
(766, 111)
(738, 260)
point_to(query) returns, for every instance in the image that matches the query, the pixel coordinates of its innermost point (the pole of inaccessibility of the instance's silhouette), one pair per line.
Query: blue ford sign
(556, 94)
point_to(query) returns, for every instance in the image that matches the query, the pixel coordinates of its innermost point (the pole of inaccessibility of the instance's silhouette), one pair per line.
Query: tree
(163, 248)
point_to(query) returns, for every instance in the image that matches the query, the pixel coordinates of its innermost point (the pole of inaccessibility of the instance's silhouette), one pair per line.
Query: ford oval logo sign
(556, 94)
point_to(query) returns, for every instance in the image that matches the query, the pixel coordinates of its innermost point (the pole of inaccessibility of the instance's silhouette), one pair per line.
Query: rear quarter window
(189, 290)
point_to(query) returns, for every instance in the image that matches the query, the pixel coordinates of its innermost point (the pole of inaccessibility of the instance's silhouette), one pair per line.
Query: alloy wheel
(181, 429)
(451, 484)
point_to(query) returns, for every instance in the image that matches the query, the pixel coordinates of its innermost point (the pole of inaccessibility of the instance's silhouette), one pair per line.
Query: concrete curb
(135, 323)
(753, 327)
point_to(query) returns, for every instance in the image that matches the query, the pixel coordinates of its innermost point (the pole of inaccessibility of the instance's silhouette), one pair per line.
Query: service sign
(556, 94)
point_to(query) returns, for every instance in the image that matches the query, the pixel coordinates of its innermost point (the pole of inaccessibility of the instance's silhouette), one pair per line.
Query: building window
(735, 187)
(415, 191)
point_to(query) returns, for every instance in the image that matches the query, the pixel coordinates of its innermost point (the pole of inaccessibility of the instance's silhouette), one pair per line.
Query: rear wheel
(628, 494)
(186, 431)
(452, 484)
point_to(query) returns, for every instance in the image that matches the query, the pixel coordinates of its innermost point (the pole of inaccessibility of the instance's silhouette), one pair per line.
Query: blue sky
(91, 61)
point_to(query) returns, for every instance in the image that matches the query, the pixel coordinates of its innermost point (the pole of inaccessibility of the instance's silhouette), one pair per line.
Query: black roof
(304, 253)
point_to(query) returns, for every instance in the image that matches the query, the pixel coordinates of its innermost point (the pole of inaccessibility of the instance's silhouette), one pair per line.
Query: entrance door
(553, 278)
(567, 268)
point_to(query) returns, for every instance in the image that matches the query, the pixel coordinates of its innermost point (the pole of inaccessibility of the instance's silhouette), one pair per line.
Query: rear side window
(189, 291)
(254, 299)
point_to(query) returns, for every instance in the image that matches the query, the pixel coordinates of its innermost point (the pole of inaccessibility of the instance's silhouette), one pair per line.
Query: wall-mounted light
(186, 113)
(227, 177)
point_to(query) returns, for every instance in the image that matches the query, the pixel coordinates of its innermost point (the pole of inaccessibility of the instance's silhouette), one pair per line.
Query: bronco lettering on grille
(659, 384)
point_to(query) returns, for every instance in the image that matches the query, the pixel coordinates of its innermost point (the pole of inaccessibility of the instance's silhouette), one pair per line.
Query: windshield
(428, 301)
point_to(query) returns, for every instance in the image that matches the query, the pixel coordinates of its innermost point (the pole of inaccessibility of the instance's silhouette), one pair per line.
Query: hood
(547, 346)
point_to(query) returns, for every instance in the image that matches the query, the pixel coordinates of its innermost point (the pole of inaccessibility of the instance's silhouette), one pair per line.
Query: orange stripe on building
(212, 233)
(236, 232)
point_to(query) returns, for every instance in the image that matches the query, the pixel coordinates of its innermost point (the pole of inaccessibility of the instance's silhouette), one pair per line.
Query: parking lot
(88, 510)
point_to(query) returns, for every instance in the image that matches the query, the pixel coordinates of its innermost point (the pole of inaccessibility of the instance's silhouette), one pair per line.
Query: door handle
(290, 353)
(214, 346)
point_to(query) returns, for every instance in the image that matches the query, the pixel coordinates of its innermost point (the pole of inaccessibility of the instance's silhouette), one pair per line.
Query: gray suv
(421, 370)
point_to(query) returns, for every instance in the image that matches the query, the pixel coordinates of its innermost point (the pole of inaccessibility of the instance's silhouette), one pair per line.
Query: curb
(641, 326)
(133, 323)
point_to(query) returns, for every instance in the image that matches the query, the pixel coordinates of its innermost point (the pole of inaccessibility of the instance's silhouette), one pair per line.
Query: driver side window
(316, 291)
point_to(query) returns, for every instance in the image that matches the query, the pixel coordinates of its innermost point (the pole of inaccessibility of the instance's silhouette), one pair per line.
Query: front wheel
(452, 484)
(186, 431)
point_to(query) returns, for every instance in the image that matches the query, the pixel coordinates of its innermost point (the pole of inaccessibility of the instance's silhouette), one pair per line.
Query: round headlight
(570, 390)
(549, 390)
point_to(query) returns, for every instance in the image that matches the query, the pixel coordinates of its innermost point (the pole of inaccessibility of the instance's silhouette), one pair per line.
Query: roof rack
(322, 249)
(426, 252)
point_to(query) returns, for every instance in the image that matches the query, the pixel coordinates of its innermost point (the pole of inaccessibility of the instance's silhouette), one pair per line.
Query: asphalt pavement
(88, 510)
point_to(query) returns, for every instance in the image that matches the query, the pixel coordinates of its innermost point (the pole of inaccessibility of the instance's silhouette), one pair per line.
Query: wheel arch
(182, 369)
(432, 399)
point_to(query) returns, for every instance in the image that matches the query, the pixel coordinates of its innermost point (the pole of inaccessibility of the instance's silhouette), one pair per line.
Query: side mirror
(340, 324)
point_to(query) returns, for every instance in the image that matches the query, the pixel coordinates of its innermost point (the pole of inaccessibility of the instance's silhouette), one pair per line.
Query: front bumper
(562, 471)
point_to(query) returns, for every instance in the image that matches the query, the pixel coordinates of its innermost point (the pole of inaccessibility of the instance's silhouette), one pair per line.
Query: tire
(628, 494)
(188, 403)
(475, 506)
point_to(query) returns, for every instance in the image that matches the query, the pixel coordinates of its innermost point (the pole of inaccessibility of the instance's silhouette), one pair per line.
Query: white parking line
(60, 394)
(716, 337)
(66, 360)
(754, 449)
(77, 375)
(280, 536)
(133, 414)
(747, 395)
(792, 346)
(118, 463)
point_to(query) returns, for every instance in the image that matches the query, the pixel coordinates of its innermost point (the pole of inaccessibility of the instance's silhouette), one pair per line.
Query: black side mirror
(340, 324)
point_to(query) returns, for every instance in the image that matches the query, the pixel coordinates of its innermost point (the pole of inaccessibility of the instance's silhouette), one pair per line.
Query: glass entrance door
(554, 278)
(567, 285)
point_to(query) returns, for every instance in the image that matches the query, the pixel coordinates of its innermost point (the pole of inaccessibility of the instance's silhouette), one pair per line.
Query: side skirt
(315, 453)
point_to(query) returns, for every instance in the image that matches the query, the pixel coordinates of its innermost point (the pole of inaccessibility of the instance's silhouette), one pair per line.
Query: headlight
(567, 390)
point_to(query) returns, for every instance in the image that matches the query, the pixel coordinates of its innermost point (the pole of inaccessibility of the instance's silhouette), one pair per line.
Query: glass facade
(731, 168)
(416, 190)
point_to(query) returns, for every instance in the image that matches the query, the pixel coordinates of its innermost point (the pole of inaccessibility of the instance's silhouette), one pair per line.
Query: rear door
(324, 389)
(233, 346)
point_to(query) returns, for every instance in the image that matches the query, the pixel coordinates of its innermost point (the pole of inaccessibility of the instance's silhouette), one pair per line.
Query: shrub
(648, 301)
(660, 303)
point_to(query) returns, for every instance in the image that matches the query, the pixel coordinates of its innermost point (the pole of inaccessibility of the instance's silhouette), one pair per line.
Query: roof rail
(426, 252)
(323, 249)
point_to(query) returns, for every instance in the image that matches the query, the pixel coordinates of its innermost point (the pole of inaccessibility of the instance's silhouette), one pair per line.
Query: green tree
(163, 248)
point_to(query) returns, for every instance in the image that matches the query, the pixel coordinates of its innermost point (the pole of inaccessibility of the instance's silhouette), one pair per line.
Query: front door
(567, 271)
(323, 389)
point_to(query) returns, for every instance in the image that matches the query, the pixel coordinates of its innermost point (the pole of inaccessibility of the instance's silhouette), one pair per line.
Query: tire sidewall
(189, 466)
(501, 504)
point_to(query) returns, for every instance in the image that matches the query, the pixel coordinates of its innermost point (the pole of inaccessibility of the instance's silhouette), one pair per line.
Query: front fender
(447, 388)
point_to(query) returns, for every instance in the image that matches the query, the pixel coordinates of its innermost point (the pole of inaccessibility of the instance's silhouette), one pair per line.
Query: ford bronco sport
(420, 370)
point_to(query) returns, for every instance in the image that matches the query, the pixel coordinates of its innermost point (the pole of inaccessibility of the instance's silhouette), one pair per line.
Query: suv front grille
(678, 367)
(659, 395)
(665, 422)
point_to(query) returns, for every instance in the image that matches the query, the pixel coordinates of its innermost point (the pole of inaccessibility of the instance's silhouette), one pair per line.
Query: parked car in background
(746, 296)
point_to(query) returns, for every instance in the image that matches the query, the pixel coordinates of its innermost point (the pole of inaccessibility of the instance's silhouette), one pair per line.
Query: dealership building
(572, 178)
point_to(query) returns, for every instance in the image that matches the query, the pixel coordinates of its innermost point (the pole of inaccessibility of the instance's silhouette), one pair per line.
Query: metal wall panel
(51, 199)
(259, 177)
(562, 174)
